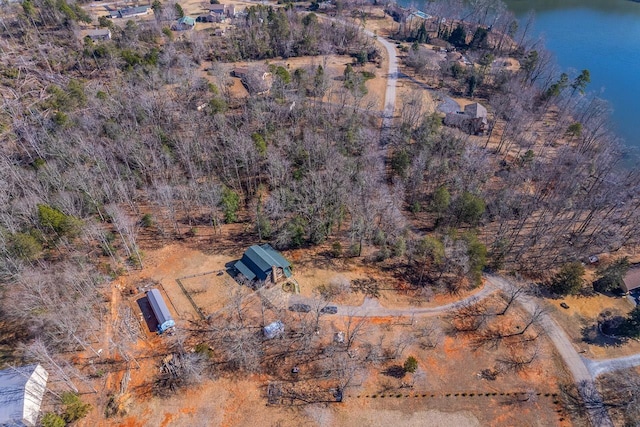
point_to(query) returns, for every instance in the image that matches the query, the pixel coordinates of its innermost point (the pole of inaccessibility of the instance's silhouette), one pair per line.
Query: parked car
(300, 308)
(330, 309)
(564, 305)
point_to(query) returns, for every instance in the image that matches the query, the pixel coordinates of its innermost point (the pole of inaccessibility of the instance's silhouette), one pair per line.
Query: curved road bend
(562, 343)
(582, 370)
(576, 364)
(372, 308)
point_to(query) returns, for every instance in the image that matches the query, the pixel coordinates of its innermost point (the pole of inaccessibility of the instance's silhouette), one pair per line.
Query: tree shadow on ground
(543, 290)
(369, 287)
(395, 371)
(594, 336)
(324, 259)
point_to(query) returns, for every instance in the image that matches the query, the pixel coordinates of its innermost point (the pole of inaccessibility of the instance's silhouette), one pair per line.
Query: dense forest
(101, 141)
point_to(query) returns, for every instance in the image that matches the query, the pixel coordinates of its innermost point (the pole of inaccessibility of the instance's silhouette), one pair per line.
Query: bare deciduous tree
(469, 317)
(518, 359)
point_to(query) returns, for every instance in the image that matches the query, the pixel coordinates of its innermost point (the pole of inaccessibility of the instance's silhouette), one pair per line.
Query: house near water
(473, 120)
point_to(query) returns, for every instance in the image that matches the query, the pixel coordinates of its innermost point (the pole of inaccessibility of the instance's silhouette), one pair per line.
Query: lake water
(602, 36)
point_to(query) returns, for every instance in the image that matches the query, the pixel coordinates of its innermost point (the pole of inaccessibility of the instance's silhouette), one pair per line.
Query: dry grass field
(447, 387)
(583, 313)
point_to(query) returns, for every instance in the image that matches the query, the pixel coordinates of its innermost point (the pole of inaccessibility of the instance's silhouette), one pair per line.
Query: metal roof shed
(21, 392)
(161, 311)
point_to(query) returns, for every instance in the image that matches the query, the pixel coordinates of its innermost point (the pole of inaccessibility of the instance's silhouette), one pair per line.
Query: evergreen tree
(422, 36)
(458, 37)
(179, 10)
(568, 280)
(479, 40)
(630, 327)
(611, 276)
(581, 82)
(411, 364)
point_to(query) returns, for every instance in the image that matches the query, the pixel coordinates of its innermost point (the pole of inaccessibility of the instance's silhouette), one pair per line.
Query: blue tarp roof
(258, 260)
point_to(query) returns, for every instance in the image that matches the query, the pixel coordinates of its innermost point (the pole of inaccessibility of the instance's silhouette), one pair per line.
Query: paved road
(576, 364)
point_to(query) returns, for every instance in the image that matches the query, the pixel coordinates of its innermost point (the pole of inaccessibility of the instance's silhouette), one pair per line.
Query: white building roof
(21, 392)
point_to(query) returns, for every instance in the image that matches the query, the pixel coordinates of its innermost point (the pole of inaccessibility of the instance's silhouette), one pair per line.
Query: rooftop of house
(475, 110)
(134, 10)
(129, 11)
(99, 32)
(187, 20)
(632, 279)
(258, 260)
(21, 392)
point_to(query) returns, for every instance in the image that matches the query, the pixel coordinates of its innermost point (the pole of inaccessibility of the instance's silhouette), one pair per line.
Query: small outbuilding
(240, 72)
(160, 310)
(263, 263)
(21, 393)
(99, 34)
(631, 280)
